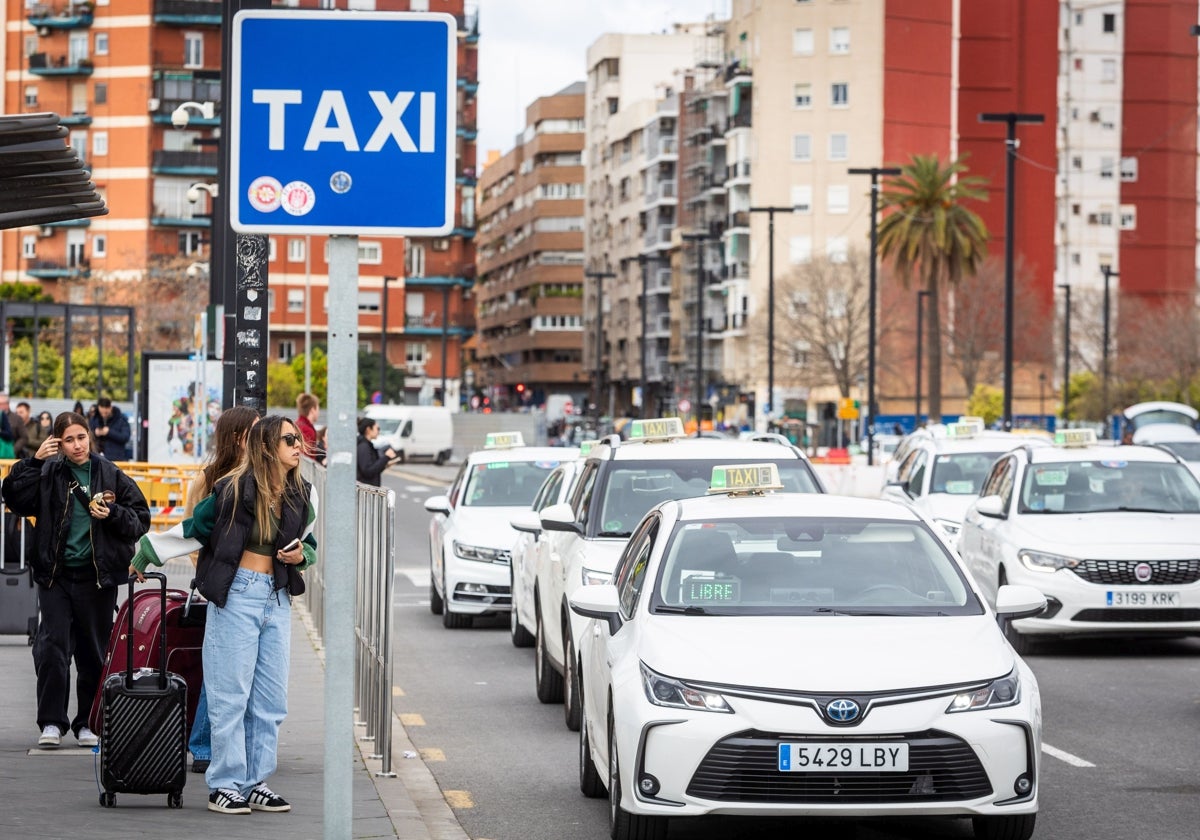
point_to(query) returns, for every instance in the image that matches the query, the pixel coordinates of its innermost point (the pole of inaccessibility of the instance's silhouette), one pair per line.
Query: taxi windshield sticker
(1050, 477)
(706, 590)
(494, 465)
(960, 487)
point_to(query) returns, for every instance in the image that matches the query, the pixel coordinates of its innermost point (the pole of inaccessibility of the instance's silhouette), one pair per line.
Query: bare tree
(1163, 350)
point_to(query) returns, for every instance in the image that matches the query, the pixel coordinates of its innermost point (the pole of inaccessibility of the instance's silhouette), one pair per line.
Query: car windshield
(1111, 484)
(961, 473)
(809, 566)
(1188, 450)
(633, 487)
(505, 483)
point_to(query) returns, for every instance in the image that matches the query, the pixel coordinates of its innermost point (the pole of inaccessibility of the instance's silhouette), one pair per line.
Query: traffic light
(520, 387)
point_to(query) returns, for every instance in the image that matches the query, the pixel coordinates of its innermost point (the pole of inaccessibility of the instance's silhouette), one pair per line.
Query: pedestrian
(229, 446)
(19, 421)
(308, 409)
(38, 431)
(254, 535)
(370, 462)
(8, 434)
(111, 429)
(89, 516)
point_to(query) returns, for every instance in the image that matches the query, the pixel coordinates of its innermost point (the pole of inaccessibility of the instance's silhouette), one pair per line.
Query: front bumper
(475, 588)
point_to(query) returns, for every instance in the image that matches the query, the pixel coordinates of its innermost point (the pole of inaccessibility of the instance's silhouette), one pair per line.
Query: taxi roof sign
(659, 428)
(1071, 438)
(503, 440)
(967, 427)
(586, 446)
(744, 478)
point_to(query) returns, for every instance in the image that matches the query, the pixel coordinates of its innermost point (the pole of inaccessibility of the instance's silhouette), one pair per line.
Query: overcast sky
(532, 48)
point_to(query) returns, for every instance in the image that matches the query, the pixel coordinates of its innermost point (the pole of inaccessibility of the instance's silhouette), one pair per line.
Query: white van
(414, 431)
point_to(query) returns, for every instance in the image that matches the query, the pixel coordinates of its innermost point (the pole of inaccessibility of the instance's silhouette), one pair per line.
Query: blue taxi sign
(658, 428)
(503, 440)
(330, 132)
(744, 478)
(1075, 438)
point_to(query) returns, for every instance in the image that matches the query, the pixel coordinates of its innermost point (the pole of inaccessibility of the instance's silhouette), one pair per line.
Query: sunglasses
(291, 440)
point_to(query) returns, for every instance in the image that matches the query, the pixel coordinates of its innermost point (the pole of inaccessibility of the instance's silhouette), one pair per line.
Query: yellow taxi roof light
(1072, 438)
(965, 428)
(658, 428)
(586, 446)
(744, 478)
(503, 440)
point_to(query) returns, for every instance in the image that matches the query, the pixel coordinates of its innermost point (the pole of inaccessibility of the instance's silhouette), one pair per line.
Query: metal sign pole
(341, 549)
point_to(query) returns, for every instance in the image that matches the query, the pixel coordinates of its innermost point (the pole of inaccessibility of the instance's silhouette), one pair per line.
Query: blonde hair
(271, 479)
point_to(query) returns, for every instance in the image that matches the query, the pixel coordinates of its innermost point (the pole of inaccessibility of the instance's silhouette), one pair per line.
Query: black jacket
(112, 445)
(41, 489)
(370, 462)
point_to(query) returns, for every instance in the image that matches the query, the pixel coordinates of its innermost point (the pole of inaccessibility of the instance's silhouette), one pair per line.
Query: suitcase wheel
(174, 800)
(108, 800)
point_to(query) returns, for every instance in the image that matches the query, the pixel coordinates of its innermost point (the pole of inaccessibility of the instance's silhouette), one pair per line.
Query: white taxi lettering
(331, 121)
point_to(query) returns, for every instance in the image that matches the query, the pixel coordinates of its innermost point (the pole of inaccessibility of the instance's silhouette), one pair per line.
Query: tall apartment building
(117, 71)
(529, 294)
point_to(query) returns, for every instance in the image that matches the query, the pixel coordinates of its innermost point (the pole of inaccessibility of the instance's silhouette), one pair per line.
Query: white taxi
(775, 654)
(941, 476)
(1110, 534)
(470, 539)
(618, 483)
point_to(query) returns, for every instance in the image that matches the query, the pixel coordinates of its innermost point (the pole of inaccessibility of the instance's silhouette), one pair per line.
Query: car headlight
(481, 553)
(594, 577)
(1040, 561)
(1005, 691)
(949, 526)
(664, 691)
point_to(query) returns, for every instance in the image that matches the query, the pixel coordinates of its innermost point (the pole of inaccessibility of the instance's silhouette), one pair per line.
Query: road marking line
(412, 719)
(432, 754)
(1062, 755)
(397, 691)
(417, 575)
(458, 799)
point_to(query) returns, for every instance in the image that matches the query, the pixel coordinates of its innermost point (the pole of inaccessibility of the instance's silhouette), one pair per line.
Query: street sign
(685, 406)
(342, 122)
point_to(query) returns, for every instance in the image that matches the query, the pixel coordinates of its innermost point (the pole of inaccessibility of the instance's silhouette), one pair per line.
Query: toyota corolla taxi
(470, 538)
(767, 653)
(1110, 534)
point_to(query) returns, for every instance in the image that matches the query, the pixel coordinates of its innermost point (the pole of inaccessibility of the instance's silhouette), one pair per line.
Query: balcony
(63, 15)
(739, 120)
(41, 64)
(469, 86)
(187, 12)
(431, 324)
(161, 108)
(659, 282)
(57, 269)
(468, 27)
(184, 163)
(440, 280)
(737, 173)
(739, 219)
(179, 214)
(658, 236)
(467, 132)
(76, 119)
(737, 71)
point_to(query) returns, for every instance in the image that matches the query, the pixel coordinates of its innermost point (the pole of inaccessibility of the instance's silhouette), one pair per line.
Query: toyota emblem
(842, 710)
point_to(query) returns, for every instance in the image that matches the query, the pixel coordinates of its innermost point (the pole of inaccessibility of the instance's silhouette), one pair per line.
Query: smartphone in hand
(292, 546)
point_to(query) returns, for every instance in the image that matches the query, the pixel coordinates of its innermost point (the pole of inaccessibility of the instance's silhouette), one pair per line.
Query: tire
(440, 459)
(174, 800)
(549, 681)
(521, 637)
(436, 604)
(400, 456)
(623, 825)
(108, 800)
(590, 783)
(572, 702)
(1014, 827)
(456, 621)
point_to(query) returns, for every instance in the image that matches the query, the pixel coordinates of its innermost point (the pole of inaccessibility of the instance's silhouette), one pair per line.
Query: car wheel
(436, 605)
(1014, 827)
(440, 459)
(549, 681)
(571, 698)
(590, 784)
(1024, 645)
(453, 620)
(520, 636)
(623, 825)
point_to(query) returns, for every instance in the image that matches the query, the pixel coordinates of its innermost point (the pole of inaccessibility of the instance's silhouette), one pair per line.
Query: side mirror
(601, 602)
(560, 517)
(992, 506)
(527, 521)
(438, 504)
(1016, 601)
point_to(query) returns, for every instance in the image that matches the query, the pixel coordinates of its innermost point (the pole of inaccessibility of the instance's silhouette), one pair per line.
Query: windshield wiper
(689, 610)
(615, 534)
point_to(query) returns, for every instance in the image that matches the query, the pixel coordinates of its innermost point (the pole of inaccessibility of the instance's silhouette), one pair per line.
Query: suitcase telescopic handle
(162, 627)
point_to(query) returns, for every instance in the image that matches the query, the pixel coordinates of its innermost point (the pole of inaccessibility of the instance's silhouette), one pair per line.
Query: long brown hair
(262, 463)
(227, 449)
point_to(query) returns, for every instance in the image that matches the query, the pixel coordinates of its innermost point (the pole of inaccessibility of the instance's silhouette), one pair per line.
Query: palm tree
(930, 234)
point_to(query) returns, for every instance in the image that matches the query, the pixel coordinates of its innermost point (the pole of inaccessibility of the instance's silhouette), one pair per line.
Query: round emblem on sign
(298, 198)
(1143, 572)
(340, 182)
(264, 194)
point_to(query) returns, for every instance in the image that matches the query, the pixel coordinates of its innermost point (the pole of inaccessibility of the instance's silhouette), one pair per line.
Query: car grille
(1143, 614)
(745, 768)
(1120, 572)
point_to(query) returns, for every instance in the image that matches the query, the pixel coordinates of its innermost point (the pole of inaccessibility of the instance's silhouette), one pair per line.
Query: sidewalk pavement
(54, 793)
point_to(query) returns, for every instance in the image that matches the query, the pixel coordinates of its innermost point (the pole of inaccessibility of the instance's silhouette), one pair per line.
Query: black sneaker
(227, 801)
(262, 798)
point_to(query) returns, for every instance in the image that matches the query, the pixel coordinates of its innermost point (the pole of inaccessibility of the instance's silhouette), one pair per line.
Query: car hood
(827, 653)
(486, 526)
(1108, 536)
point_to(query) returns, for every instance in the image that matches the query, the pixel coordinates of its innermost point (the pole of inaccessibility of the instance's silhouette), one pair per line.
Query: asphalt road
(1122, 728)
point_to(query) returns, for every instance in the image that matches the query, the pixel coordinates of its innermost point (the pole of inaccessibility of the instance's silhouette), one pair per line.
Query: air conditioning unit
(46, 230)
(442, 244)
(44, 31)
(153, 104)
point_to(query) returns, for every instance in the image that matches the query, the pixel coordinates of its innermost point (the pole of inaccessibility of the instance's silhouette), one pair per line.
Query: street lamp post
(1066, 287)
(383, 327)
(921, 295)
(599, 277)
(875, 172)
(644, 260)
(699, 239)
(1041, 397)
(771, 211)
(1010, 118)
(1108, 274)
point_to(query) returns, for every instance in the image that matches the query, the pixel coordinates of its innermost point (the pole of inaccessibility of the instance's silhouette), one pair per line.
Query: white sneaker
(51, 736)
(87, 738)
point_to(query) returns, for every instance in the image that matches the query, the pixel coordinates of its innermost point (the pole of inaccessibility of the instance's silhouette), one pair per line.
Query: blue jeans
(247, 649)
(200, 743)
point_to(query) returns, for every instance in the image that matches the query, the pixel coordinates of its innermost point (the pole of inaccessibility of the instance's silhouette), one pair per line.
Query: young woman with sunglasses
(254, 534)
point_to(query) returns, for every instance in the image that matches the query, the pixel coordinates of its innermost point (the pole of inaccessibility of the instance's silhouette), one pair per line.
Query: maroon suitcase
(185, 639)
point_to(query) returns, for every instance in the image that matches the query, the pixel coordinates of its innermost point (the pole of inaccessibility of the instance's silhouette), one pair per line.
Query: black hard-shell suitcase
(144, 746)
(18, 592)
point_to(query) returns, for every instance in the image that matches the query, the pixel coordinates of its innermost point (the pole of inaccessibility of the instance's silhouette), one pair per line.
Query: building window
(802, 95)
(839, 40)
(414, 262)
(369, 301)
(77, 48)
(802, 147)
(270, 301)
(295, 300)
(1106, 167)
(100, 144)
(837, 249)
(189, 242)
(839, 94)
(29, 246)
(101, 43)
(272, 249)
(370, 253)
(100, 245)
(839, 146)
(31, 44)
(193, 49)
(802, 42)
(1076, 259)
(1128, 217)
(800, 249)
(295, 250)
(1129, 169)
(1109, 23)
(802, 198)
(414, 353)
(1076, 162)
(1108, 70)
(31, 96)
(837, 199)
(287, 349)
(100, 93)
(800, 353)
